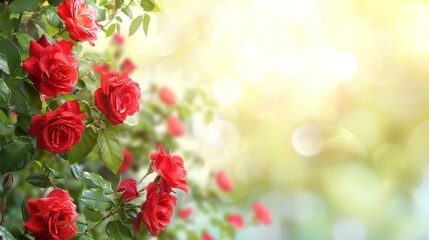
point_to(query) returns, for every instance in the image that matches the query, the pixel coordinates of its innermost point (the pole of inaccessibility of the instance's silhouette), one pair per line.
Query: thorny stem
(149, 171)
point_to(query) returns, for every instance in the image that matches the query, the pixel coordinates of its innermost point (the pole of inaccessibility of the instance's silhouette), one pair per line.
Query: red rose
(167, 96)
(224, 182)
(81, 20)
(99, 68)
(156, 210)
(262, 214)
(50, 67)
(175, 126)
(128, 189)
(185, 213)
(128, 66)
(53, 217)
(118, 39)
(126, 164)
(207, 236)
(236, 220)
(59, 130)
(171, 169)
(118, 96)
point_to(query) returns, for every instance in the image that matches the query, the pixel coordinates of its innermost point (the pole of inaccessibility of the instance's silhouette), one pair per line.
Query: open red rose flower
(118, 96)
(51, 68)
(156, 210)
(59, 130)
(81, 20)
(171, 169)
(53, 217)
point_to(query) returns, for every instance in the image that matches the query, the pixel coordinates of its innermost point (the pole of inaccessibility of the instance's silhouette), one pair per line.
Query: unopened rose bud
(7, 181)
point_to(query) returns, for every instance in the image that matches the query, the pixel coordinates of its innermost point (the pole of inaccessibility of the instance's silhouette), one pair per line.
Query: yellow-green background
(324, 108)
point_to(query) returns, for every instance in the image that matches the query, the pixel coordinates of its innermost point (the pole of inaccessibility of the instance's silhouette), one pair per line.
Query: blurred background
(323, 108)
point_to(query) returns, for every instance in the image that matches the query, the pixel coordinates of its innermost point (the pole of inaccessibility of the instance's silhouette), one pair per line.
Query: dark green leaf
(5, 234)
(135, 24)
(57, 174)
(77, 174)
(146, 22)
(24, 210)
(101, 14)
(24, 40)
(81, 224)
(25, 99)
(118, 231)
(15, 155)
(39, 180)
(110, 150)
(127, 124)
(54, 2)
(19, 6)
(94, 180)
(92, 216)
(85, 146)
(52, 17)
(6, 25)
(110, 30)
(149, 6)
(10, 59)
(24, 121)
(95, 200)
(4, 93)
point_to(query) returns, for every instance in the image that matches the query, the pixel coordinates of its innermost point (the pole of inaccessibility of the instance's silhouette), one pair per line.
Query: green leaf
(101, 13)
(54, 2)
(118, 231)
(52, 17)
(57, 174)
(4, 93)
(81, 224)
(5, 234)
(135, 24)
(85, 146)
(146, 22)
(94, 180)
(19, 6)
(15, 155)
(127, 124)
(76, 173)
(208, 117)
(24, 40)
(110, 30)
(149, 6)
(110, 150)
(25, 99)
(10, 59)
(24, 122)
(95, 200)
(92, 216)
(24, 210)
(128, 12)
(6, 25)
(39, 180)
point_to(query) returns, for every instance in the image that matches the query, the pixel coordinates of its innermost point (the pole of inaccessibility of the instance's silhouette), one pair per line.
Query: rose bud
(128, 66)
(184, 213)
(175, 126)
(128, 189)
(167, 96)
(236, 220)
(156, 210)
(207, 236)
(171, 168)
(50, 67)
(262, 214)
(118, 96)
(99, 68)
(118, 39)
(80, 19)
(59, 130)
(224, 182)
(53, 217)
(126, 164)
(7, 182)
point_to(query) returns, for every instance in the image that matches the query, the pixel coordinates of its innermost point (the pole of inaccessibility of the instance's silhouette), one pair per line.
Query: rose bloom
(53, 217)
(128, 66)
(236, 220)
(99, 68)
(262, 214)
(175, 126)
(118, 96)
(128, 189)
(207, 236)
(81, 20)
(51, 68)
(223, 181)
(185, 213)
(171, 169)
(126, 164)
(156, 210)
(167, 96)
(59, 130)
